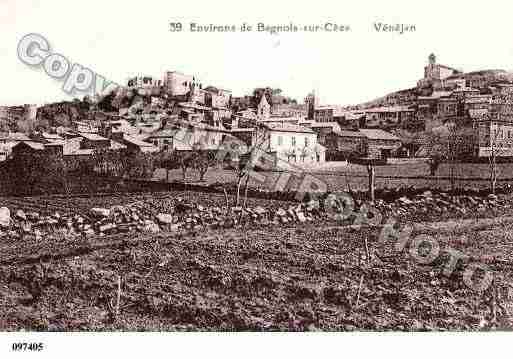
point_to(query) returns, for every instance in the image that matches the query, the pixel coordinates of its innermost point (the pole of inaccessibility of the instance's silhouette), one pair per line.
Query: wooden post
(372, 175)
(118, 297)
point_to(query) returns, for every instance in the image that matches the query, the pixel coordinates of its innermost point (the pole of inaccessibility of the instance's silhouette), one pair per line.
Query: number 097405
(22, 347)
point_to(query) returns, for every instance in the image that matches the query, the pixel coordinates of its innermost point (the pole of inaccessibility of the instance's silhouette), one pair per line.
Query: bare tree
(202, 160)
(243, 163)
(175, 159)
(305, 152)
(450, 144)
(371, 170)
(139, 165)
(290, 153)
(500, 145)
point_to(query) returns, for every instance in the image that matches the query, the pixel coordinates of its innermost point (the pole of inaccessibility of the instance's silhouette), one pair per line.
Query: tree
(174, 159)
(243, 158)
(434, 162)
(139, 165)
(436, 151)
(4, 125)
(449, 144)
(24, 125)
(305, 152)
(291, 154)
(202, 160)
(58, 173)
(500, 145)
(109, 162)
(371, 170)
(164, 161)
(42, 125)
(37, 172)
(258, 93)
(318, 150)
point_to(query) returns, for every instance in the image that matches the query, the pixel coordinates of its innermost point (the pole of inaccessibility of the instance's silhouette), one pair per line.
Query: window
(280, 140)
(306, 141)
(293, 141)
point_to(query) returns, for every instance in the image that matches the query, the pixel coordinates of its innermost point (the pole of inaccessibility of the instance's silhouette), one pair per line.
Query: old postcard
(266, 167)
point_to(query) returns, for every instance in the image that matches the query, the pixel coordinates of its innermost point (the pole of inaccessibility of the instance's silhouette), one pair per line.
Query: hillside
(481, 80)
(402, 97)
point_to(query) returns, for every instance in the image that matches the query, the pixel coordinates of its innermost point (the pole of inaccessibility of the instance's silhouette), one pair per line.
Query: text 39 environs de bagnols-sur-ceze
(328, 26)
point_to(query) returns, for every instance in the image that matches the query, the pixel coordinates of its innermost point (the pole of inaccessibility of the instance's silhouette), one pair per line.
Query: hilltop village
(143, 115)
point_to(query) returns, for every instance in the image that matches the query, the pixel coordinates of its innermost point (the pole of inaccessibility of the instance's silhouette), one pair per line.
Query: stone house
(379, 143)
(284, 142)
(323, 129)
(371, 143)
(294, 143)
(183, 136)
(344, 144)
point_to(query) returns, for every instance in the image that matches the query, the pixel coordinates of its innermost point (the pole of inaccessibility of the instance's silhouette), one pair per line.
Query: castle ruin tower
(432, 59)
(311, 104)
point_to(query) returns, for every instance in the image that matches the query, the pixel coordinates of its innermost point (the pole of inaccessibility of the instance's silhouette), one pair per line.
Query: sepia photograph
(233, 175)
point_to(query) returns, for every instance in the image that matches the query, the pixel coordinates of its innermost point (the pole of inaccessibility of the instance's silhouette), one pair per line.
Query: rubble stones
(33, 216)
(281, 212)
(5, 217)
(301, 217)
(181, 215)
(21, 215)
(165, 218)
(150, 227)
(100, 212)
(260, 210)
(106, 227)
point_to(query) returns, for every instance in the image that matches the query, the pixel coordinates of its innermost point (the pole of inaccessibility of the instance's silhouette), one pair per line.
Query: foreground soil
(311, 277)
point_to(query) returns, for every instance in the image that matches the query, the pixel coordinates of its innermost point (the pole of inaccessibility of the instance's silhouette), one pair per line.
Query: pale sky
(122, 38)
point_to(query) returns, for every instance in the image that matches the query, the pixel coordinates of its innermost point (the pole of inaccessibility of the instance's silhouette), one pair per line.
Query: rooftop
(287, 127)
(143, 146)
(465, 89)
(436, 95)
(376, 134)
(245, 129)
(333, 125)
(193, 105)
(14, 136)
(478, 113)
(92, 136)
(137, 141)
(51, 136)
(38, 146)
(390, 109)
(450, 68)
(345, 133)
(116, 145)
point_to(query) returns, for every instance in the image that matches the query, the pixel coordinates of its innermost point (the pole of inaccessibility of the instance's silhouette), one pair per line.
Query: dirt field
(304, 278)
(157, 201)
